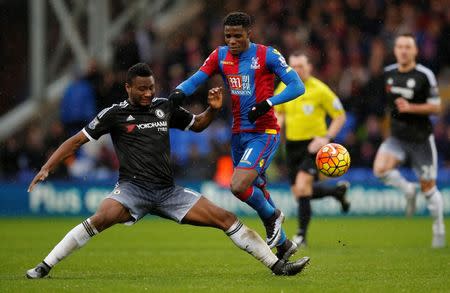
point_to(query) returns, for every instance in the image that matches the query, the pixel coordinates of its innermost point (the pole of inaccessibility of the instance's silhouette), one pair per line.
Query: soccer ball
(333, 160)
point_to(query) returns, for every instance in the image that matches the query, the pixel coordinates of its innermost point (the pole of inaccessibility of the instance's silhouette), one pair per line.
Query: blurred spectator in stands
(145, 42)
(112, 90)
(352, 81)
(371, 137)
(428, 41)
(78, 105)
(54, 138)
(10, 151)
(444, 44)
(33, 154)
(391, 23)
(372, 99)
(333, 66)
(442, 137)
(408, 17)
(126, 51)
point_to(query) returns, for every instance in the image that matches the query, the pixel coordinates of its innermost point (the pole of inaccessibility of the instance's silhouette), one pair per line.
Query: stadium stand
(350, 42)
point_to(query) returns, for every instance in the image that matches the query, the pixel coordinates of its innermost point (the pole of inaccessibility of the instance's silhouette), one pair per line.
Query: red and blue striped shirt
(250, 78)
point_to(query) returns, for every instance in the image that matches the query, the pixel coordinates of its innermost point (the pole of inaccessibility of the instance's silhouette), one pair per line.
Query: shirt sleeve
(209, 67)
(331, 102)
(100, 125)
(433, 91)
(211, 64)
(276, 63)
(181, 119)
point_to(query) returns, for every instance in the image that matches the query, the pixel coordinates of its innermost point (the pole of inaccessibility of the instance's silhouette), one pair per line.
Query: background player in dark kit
(413, 96)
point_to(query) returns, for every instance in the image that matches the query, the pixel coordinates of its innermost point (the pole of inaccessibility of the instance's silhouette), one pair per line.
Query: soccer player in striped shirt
(248, 71)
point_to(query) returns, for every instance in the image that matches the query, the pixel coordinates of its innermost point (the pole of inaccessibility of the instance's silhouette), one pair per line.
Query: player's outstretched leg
(338, 191)
(109, 213)
(205, 213)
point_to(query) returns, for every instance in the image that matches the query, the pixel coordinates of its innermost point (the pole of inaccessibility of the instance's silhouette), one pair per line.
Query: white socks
(436, 208)
(248, 240)
(76, 238)
(394, 178)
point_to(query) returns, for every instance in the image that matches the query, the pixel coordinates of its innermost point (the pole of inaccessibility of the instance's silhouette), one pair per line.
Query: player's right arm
(190, 85)
(65, 150)
(100, 125)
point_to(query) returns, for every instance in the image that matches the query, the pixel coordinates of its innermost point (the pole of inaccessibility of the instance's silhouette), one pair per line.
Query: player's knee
(238, 188)
(302, 190)
(379, 171)
(427, 185)
(102, 220)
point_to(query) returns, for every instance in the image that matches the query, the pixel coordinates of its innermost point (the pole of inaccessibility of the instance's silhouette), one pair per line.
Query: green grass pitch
(347, 255)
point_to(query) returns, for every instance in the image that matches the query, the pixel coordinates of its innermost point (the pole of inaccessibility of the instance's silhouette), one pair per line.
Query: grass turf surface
(347, 255)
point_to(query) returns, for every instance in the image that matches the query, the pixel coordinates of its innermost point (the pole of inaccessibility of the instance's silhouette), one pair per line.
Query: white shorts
(422, 155)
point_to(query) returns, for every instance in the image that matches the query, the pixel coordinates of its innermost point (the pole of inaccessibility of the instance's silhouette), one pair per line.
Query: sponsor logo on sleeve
(93, 123)
(282, 61)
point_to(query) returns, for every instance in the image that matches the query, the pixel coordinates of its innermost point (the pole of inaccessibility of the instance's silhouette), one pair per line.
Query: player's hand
(177, 97)
(317, 143)
(258, 110)
(41, 176)
(403, 106)
(215, 98)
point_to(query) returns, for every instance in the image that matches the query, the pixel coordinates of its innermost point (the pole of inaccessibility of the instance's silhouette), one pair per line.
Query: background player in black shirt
(412, 92)
(139, 130)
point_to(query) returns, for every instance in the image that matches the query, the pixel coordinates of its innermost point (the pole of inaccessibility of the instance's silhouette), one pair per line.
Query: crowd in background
(349, 43)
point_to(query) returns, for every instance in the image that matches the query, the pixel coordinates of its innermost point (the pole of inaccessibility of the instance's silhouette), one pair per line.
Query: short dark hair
(238, 18)
(407, 35)
(139, 69)
(299, 53)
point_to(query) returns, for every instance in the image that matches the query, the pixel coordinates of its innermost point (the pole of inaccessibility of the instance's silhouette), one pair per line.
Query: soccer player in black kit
(139, 128)
(411, 90)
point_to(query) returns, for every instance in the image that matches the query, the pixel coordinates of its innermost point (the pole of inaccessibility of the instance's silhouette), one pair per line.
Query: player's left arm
(294, 86)
(66, 149)
(215, 100)
(432, 105)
